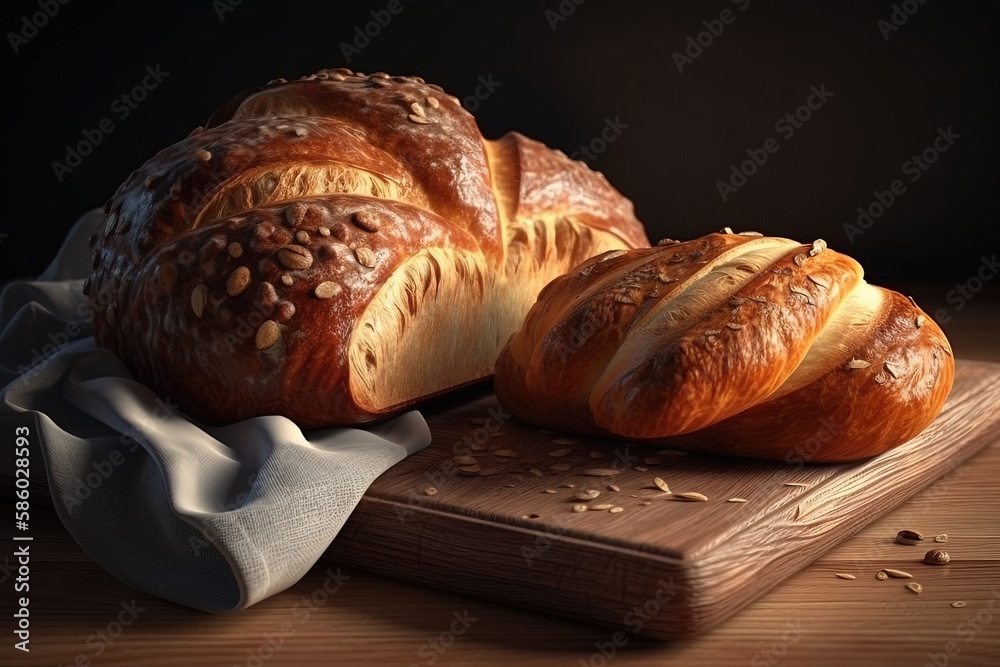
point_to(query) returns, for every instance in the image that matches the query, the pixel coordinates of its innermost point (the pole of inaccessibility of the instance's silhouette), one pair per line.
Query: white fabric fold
(215, 518)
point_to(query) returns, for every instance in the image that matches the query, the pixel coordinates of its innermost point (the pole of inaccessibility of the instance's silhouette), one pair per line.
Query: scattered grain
(661, 485)
(908, 537)
(736, 500)
(943, 537)
(365, 257)
(295, 257)
(579, 507)
(690, 495)
(366, 221)
(238, 281)
(327, 290)
(937, 557)
(268, 334)
(842, 575)
(897, 574)
(601, 472)
(915, 587)
(199, 297)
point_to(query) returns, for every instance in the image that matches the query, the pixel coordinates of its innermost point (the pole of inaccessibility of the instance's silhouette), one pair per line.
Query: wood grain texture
(811, 619)
(499, 535)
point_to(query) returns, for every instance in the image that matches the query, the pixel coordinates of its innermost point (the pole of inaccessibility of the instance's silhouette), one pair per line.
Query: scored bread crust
(733, 344)
(337, 248)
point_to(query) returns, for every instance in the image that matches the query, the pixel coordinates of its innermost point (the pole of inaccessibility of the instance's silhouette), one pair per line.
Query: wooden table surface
(813, 618)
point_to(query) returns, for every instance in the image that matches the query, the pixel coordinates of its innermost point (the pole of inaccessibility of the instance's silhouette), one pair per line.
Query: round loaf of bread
(337, 248)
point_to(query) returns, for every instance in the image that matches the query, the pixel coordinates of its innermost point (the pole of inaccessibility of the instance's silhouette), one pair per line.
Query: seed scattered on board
(559, 453)
(549, 491)
(505, 453)
(566, 441)
(601, 472)
(842, 575)
(579, 507)
(958, 604)
(943, 537)
(908, 537)
(430, 491)
(881, 576)
(937, 557)
(736, 500)
(915, 587)
(690, 496)
(897, 574)
(616, 510)
(614, 487)
(661, 485)
(586, 494)
(798, 484)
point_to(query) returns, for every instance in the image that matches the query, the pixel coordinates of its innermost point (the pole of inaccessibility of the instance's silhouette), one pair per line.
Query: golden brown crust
(757, 347)
(277, 261)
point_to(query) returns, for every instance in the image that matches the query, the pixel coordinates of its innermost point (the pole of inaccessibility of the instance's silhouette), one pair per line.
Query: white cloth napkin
(215, 518)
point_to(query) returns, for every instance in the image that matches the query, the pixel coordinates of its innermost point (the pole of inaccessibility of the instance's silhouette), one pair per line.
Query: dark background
(607, 59)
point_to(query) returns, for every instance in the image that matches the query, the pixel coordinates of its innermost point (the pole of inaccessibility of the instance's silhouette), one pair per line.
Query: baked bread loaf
(733, 344)
(337, 248)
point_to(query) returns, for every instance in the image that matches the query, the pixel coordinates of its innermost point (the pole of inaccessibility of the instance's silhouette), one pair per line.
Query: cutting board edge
(688, 572)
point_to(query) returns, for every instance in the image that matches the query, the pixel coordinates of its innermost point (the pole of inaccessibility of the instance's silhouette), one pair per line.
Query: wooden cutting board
(660, 567)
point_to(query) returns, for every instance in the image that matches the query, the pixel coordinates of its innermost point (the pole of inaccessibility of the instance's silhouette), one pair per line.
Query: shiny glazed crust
(733, 344)
(337, 248)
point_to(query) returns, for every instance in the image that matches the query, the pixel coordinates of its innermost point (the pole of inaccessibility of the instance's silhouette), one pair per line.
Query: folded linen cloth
(215, 518)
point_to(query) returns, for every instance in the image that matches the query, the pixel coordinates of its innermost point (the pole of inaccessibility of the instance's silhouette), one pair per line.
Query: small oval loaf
(733, 344)
(337, 248)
